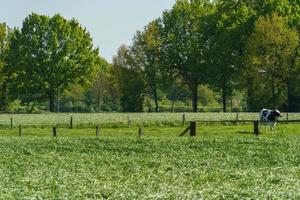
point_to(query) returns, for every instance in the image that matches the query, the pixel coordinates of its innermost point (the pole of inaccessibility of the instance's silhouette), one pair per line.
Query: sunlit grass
(222, 162)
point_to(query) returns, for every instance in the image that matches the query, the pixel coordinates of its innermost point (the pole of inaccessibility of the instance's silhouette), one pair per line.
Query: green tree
(177, 91)
(4, 48)
(129, 81)
(147, 52)
(269, 53)
(74, 96)
(293, 83)
(232, 25)
(206, 95)
(48, 55)
(184, 42)
(103, 92)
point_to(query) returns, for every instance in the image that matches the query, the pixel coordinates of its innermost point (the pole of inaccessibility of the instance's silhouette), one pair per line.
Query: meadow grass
(222, 162)
(114, 120)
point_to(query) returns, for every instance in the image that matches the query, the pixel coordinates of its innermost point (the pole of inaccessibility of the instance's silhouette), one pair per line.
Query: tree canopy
(49, 54)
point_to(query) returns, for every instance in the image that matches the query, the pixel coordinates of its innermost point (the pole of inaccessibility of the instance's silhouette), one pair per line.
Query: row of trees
(199, 51)
(251, 46)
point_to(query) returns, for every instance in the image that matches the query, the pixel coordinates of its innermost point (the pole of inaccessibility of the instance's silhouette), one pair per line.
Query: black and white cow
(269, 117)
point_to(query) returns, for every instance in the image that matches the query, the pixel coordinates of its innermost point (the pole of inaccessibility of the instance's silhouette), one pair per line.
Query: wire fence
(113, 120)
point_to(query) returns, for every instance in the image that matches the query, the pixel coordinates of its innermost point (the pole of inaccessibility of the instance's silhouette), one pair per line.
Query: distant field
(120, 119)
(223, 162)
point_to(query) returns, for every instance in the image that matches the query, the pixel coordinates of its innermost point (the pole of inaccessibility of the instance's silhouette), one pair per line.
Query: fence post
(193, 128)
(71, 122)
(20, 130)
(237, 116)
(11, 122)
(97, 131)
(183, 119)
(128, 121)
(141, 132)
(54, 132)
(255, 127)
(287, 117)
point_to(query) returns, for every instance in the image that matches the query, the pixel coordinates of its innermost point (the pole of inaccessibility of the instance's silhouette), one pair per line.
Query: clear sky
(110, 22)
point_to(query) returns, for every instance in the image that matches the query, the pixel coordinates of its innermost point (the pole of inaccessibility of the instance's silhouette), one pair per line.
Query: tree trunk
(99, 101)
(172, 108)
(250, 93)
(57, 101)
(4, 99)
(52, 103)
(231, 103)
(195, 98)
(155, 98)
(224, 95)
(289, 99)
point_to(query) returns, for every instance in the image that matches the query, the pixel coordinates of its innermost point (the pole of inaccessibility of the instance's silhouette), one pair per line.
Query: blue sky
(110, 22)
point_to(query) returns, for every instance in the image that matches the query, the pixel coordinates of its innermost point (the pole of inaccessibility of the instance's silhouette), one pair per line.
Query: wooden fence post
(128, 121)
(11, 122)
(193, 128)
(287, 116)
(141, 132)
(54, 132)
(71, 122)
(183, 119)
(255, 127)
(20, 130)
(237, 116)
(97, 131)
(185, 131)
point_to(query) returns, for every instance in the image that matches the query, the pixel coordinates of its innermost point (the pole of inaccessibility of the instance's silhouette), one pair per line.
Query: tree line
(235, 53)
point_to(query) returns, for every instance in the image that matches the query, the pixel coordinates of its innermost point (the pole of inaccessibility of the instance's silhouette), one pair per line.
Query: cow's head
(277, 113)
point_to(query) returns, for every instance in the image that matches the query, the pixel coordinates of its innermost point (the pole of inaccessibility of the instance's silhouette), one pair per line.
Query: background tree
(269, 53)
(293, 82)
(4, 40)
(128, 80)
(147, 53)
(176, 92)
(101, 89)
(184, 43)
(232, 24)
(50, 54)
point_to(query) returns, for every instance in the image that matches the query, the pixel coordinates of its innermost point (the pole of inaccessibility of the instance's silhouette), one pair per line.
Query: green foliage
(231, 24)
(103, 92)
(147, 56)
(184, 49)
(269, 53)
(4, 48)
(48, 55)
(128, 80)
(207, 96)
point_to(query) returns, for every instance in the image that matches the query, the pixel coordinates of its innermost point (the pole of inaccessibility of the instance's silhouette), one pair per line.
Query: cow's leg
(260, 124)
(273, 126)
(265, 128)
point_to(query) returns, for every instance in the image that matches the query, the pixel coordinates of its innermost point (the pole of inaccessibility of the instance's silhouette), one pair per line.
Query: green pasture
(203, 130)
(113, 120)
(222, 162)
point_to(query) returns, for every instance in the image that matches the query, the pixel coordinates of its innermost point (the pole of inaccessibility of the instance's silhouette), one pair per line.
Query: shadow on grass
(245, 132)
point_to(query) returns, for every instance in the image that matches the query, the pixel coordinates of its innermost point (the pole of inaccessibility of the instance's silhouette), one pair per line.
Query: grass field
(222, 162)
(113, 120)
